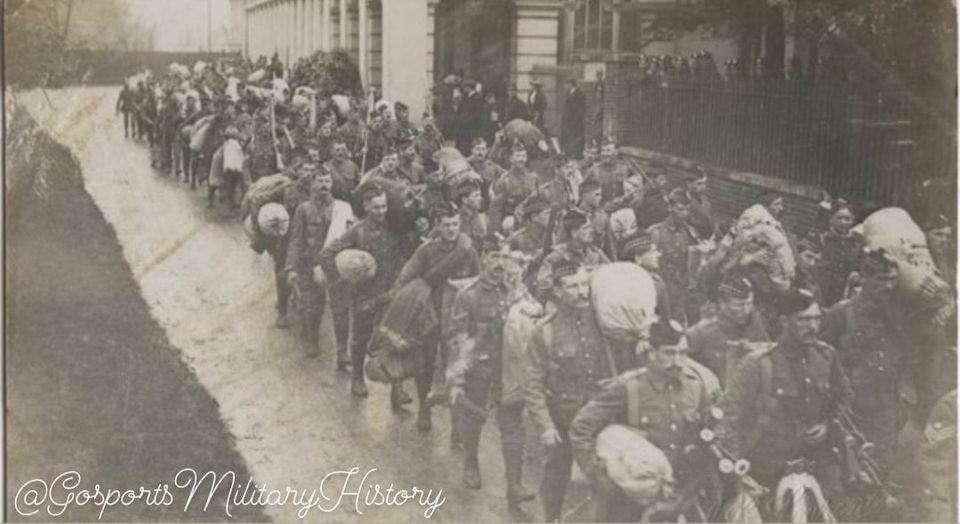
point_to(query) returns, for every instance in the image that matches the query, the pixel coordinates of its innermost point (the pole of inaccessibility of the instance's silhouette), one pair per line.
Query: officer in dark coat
(573, 127)
(668, 401)
(469, 117)
(568, 364)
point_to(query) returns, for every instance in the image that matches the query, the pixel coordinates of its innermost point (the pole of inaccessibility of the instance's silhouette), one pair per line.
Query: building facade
(404, 47)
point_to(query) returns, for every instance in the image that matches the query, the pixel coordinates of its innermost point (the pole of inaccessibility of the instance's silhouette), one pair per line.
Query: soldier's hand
(550, 437)
(456, 393)
(292, 278)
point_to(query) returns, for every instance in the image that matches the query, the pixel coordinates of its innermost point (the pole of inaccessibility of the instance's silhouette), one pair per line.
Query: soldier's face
(808, 260)
(584, 233)
(390, 162)
(326, 129)
(698, 186)
(574, 290)
(321, 186)
(518, 158)
(776, 208)
(340, 151)
(593, 198)
(479, 151)
(650, 259)
(449, 228)
(474, 200)
(736, 310)
(590, 154)
(680, 210)
(410, 153)
(842, 221)
(376, 208)
(608, 153)
(881, 285)
(805, 325)
(670, 358)
(495, 264)
(938, 240)
(314, 155)
(542, 218)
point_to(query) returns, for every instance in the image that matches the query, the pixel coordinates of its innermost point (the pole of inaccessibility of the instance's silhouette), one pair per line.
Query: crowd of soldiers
(454, 236)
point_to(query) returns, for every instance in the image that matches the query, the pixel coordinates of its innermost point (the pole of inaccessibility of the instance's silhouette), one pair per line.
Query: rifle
(273, 133)
(853, 450)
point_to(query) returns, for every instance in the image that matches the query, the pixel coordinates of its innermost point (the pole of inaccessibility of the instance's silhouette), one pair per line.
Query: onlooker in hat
(573, 127)
(591, 154)
(537, 102)
(469, 117)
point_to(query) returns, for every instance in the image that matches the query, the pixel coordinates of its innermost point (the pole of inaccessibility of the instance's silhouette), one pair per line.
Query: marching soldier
(867, 332)
(841, 248)
(668, 401)
(720, 343)
(388, 169)
(530, 238)
(477, 320)
(776, 408)
(610, 171)
(488, 170)
(369, 300)
(701, 210)
(512, 188)
(473, 222)
(346, 173)
(579, 249)
(673, 238)
(568, 364)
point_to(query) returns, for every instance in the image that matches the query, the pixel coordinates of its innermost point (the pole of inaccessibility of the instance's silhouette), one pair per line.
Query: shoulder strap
(633, 403)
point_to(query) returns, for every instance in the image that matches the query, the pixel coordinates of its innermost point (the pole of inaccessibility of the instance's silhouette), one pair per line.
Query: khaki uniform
(674, 240)
(669, 410)
(308, 233)
(710, 343)
(567, 360)
(489, 172)
(610, 177)
(528, 239)
(509, 191)
(589, 256)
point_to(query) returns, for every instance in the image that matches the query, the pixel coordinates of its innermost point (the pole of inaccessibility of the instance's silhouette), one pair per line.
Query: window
(593, 25)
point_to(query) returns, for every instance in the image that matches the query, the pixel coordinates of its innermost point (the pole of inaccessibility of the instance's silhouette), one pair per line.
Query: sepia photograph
(479, 261)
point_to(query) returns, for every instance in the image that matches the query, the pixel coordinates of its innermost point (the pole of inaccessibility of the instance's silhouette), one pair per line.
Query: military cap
(390, 150)
(666, 332)
(936, 222)
(839, 205)
(573, 219)
(398, 106)
(637, 244)
(478, 140)
(563, 268)
(403, 141)
(464, 188)
(535, 205)
(809, 243)
(490, 243)
(231, 132)
(735, 287)
(370, 189)
(794, 301)
(518, 146)
(308, 169)
(877, 261)
(444, 209)
(767, 199)
(589, 185)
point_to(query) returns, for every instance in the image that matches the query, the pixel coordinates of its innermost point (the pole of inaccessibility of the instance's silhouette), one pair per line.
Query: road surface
(293, 418)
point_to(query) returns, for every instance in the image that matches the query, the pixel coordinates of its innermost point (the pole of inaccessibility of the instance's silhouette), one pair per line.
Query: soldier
(673, 238)
(610, 172)
(720, 343)
(776, 408)
(938, 460)
(476, 380)
(370, 299)
(871, 344)
(579, 249)
(447, 255)
(377, 142)
(388, 169)
(841, 248)
(640, 249)
(473, 222)
(312, 224)
(701, 210)
(401, 127)
(429, 142)
(346, 174)
(512, 188)
(488, 170)
(668, 401)
(808, 264)
(531, 237)
(591, 204)
(591, 153)
(410, 164)
(568, 364)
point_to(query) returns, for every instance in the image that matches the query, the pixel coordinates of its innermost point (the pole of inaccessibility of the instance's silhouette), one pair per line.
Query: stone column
(344, 28)
(327, 21)
(406, 25)
(536, 45)
(363, 33)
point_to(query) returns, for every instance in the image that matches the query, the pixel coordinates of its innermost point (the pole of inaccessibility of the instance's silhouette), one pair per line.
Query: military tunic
(710, 343)
(610, 176)
(841, 256)
(489, 172)
(528, 239)
(775, 396)
(308, 233)
(346, 176)
(509, 191)
(674, 239)
(938, 459)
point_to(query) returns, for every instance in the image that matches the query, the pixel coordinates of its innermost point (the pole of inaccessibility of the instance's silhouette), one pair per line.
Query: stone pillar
(406, 25)
(344, 29)
(363, 33)
(569, 20)
(536, 38)
(327, 21)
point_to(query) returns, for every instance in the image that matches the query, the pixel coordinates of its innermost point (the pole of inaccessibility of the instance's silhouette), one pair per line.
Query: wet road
(292, 418)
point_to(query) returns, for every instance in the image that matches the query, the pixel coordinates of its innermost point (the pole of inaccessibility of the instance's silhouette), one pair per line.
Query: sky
(181, 25)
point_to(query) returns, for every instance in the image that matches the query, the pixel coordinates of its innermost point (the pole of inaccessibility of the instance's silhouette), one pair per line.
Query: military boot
(513, 469)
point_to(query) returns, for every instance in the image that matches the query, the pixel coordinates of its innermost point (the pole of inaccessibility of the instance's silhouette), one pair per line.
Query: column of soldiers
(768, 372)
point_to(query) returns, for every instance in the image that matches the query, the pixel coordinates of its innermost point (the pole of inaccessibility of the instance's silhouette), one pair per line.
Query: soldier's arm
(609, 407)
(413, 268)
(327, 257)
(535, 392)
(739, 406)
(296, 239)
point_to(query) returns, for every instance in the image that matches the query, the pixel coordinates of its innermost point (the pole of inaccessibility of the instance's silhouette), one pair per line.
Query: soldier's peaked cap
(794, 301)
(736, 287)
(535, 205)
(564, 268)
(877, 261)
(637, 244)
(574, 218)
(666, 332)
